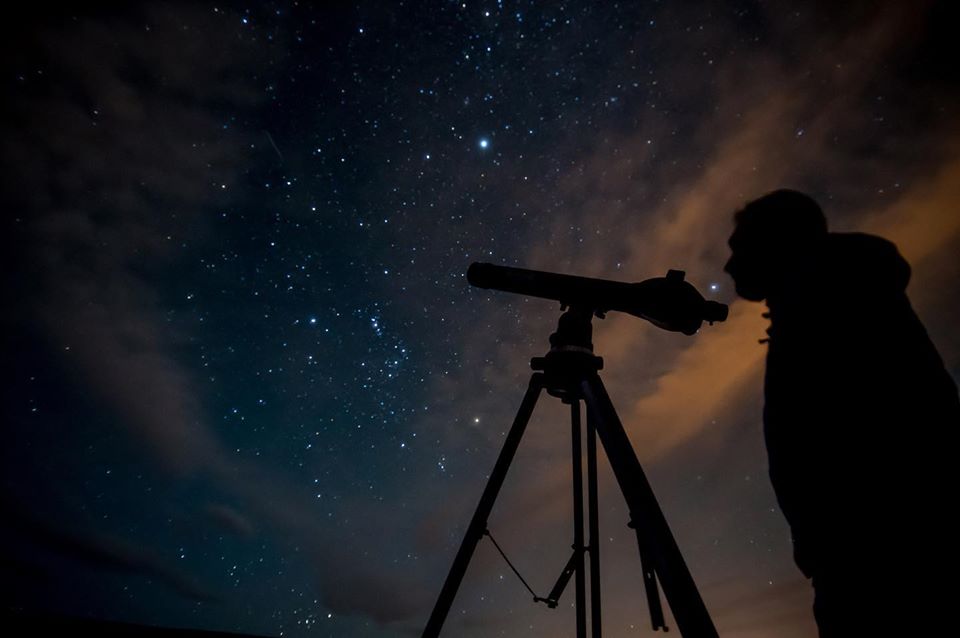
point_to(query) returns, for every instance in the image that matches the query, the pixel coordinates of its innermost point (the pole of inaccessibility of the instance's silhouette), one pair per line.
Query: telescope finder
(667, 302)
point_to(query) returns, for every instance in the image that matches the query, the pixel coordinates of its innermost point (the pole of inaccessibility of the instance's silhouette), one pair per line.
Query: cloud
(778, 129)
(120, 161)
(706, 380)
(352, 588)
(230, 519)
(27, 532)
(632, 214)
(114, 150)
(924, 222)
(122, 146)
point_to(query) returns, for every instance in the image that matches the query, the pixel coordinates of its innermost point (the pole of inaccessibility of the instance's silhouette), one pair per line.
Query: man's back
(858, 405)
(860, 420)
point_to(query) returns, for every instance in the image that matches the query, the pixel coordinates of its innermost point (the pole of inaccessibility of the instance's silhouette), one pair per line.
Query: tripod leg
(595, 615)
(478, 524)
(581, 602)
(649, 579)
(689, 611)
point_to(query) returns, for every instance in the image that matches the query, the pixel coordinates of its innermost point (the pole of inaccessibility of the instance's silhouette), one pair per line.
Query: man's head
(773, 238)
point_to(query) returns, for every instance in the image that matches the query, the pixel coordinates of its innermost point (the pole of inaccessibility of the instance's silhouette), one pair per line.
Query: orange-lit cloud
(776, 126)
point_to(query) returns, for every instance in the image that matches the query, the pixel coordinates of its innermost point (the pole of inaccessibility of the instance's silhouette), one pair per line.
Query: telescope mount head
(571, 354)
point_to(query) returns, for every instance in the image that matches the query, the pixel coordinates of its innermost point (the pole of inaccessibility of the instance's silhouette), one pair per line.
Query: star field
(248, 387)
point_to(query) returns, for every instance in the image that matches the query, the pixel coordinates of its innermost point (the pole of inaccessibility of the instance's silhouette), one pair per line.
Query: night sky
(246, 385)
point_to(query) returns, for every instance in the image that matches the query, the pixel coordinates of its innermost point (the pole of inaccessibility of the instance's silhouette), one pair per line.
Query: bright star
(484, 142)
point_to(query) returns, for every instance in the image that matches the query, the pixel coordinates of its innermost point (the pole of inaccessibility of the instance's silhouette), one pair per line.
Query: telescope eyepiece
(714, 311)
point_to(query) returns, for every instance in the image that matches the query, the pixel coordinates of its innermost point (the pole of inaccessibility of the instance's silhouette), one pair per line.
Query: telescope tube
(668, 302)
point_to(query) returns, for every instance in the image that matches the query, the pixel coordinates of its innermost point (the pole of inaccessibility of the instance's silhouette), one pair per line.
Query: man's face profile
(749, 263)
(777, 237)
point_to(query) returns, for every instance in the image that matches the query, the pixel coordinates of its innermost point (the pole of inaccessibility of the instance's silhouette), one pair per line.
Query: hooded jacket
(860, 415)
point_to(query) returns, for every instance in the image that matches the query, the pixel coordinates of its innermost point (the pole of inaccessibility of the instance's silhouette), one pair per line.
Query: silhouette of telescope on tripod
(569, 371)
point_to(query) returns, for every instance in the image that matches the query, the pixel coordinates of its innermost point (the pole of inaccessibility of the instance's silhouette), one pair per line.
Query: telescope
(569, 372)
(667, 302)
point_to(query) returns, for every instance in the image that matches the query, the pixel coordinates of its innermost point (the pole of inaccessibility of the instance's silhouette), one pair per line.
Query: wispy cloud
(777, 122)
(119, 161)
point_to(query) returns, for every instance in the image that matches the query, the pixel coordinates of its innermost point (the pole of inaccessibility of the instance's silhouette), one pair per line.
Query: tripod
(570, 372)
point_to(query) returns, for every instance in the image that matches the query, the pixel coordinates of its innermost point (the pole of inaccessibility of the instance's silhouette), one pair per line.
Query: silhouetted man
(860, 421)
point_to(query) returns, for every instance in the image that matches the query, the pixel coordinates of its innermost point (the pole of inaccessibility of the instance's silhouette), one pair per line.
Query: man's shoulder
(861, 241)
(866, 260)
